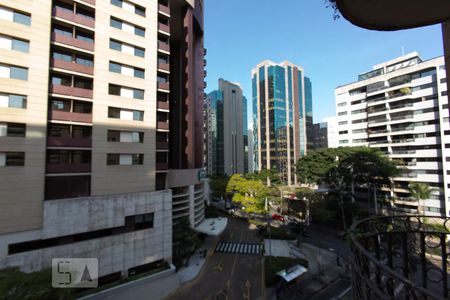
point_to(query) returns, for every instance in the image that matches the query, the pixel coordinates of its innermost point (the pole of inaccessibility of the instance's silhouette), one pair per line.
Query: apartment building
(89, 104)
(401, 107)
(226, 126)
(282, 117)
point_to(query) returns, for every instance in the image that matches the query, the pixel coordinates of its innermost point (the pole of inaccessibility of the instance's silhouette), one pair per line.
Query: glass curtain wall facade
(279, 97)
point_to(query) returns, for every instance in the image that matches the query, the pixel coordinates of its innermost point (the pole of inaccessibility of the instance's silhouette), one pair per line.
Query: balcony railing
(163, 46)
(401, 152)
(163, 105)
(71, 91)
(70, 16)
(398, 118)
(70, 41)
(163, 125)
(68, 168)
(163, 66)
(69, 142)
(164, 86)
(400, 257)
(162, 166)
(70, 116)
(164, 28)
(71, 66)
(163, 9)
(162, 146)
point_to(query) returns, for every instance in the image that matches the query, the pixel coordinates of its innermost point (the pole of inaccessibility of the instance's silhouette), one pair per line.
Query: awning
(292, 273)
(213, 227)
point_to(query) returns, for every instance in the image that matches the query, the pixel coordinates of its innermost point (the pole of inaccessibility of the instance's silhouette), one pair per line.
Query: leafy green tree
(250, 194)
(17, 285)
(267, 175)
(218, 184)
(420, 191)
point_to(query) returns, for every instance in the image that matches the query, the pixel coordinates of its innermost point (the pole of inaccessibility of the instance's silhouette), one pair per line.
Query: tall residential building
(282, 117)
(226, 127)
(92, 93)
(401, 107)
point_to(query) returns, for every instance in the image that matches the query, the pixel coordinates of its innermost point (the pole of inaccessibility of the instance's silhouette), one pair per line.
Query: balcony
(163, 46)
(73, 42)
(68, 168)
(70, 116)
(164, 86)
(163, 125)
(163, 67)
(71, 17)
(69, 142)
(400, 257)
(71, 91)
(405, 117)
(164, 28)
(162, 166)
(164, 9)
(71, 66)
(162, 146)
(163, 105)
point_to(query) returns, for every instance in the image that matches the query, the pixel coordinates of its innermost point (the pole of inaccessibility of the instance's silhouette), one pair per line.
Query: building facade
(227, 130)
(282, 117)
(320, 133)
(401, 107)
(89, 104)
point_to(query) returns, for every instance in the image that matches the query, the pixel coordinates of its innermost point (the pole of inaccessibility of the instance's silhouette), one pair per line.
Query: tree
(420, 191)
(218, 184)
(250, 194)
(185, 239)
(266, 176)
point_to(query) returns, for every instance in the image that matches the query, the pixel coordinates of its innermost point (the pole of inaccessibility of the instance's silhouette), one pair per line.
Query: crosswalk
(241, 248)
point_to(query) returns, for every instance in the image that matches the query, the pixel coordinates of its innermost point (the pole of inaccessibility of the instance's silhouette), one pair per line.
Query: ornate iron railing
(400, 257)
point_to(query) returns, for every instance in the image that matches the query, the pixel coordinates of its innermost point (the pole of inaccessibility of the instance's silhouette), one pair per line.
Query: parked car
(278, 217)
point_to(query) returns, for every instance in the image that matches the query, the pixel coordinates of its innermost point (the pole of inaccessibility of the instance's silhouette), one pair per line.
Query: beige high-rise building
(88, 109)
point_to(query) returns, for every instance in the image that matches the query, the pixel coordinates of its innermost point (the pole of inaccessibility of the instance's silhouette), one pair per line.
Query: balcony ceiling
(391, 15)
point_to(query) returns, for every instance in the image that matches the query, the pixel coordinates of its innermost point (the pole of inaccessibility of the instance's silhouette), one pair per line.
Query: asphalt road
(229, 276)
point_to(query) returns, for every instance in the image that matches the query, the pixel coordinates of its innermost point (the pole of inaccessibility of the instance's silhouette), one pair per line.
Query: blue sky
(241, 33)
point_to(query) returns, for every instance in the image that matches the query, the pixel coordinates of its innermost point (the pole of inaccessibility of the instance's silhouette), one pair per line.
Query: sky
(239, 34)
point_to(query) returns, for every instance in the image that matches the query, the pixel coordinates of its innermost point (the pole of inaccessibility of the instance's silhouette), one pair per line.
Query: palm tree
(420, 191)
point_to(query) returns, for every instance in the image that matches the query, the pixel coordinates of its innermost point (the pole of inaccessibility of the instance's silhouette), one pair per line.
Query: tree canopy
(251, 194)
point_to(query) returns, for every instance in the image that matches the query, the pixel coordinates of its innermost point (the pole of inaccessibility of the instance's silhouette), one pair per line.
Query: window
(359, 131)
(14, 16)
(342, 113)
(343, 142)
(125, 136)
(343, 132)
(14, 101)
(125, 114)
(13, 72)
(14, 130)
(133, 8)
(114, 67)
(139, 31)
(138, 73)
(343, 123)
(118, 90)
(85, 61)
(14, 44)
(127, 27)
(116, 23)
(359, 111)
(115, 45)
(12, 159)
(126, 70)
(124, 159)
(342, 104)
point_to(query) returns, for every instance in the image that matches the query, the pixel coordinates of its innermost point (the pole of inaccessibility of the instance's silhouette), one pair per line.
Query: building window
(12, 159)
(359, 131)
(343, 123)
(126, 70)
(13, 101)
(342, 104)
(125, 114)
(133, 93)
(12, 129)
(127, 27)
(342, 113)
(343, 132)
(14, 16)
(125, 136)
(13, 72)
(115, 159)
(130, 7)
(10, 43)
(343, 142)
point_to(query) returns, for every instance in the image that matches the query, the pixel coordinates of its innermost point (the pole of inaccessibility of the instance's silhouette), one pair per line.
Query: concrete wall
(115, 253)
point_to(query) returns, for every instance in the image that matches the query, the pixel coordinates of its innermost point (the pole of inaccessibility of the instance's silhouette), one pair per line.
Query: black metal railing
(400, 257)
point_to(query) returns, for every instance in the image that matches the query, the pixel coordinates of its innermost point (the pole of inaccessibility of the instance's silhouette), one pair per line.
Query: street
(229, 275)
